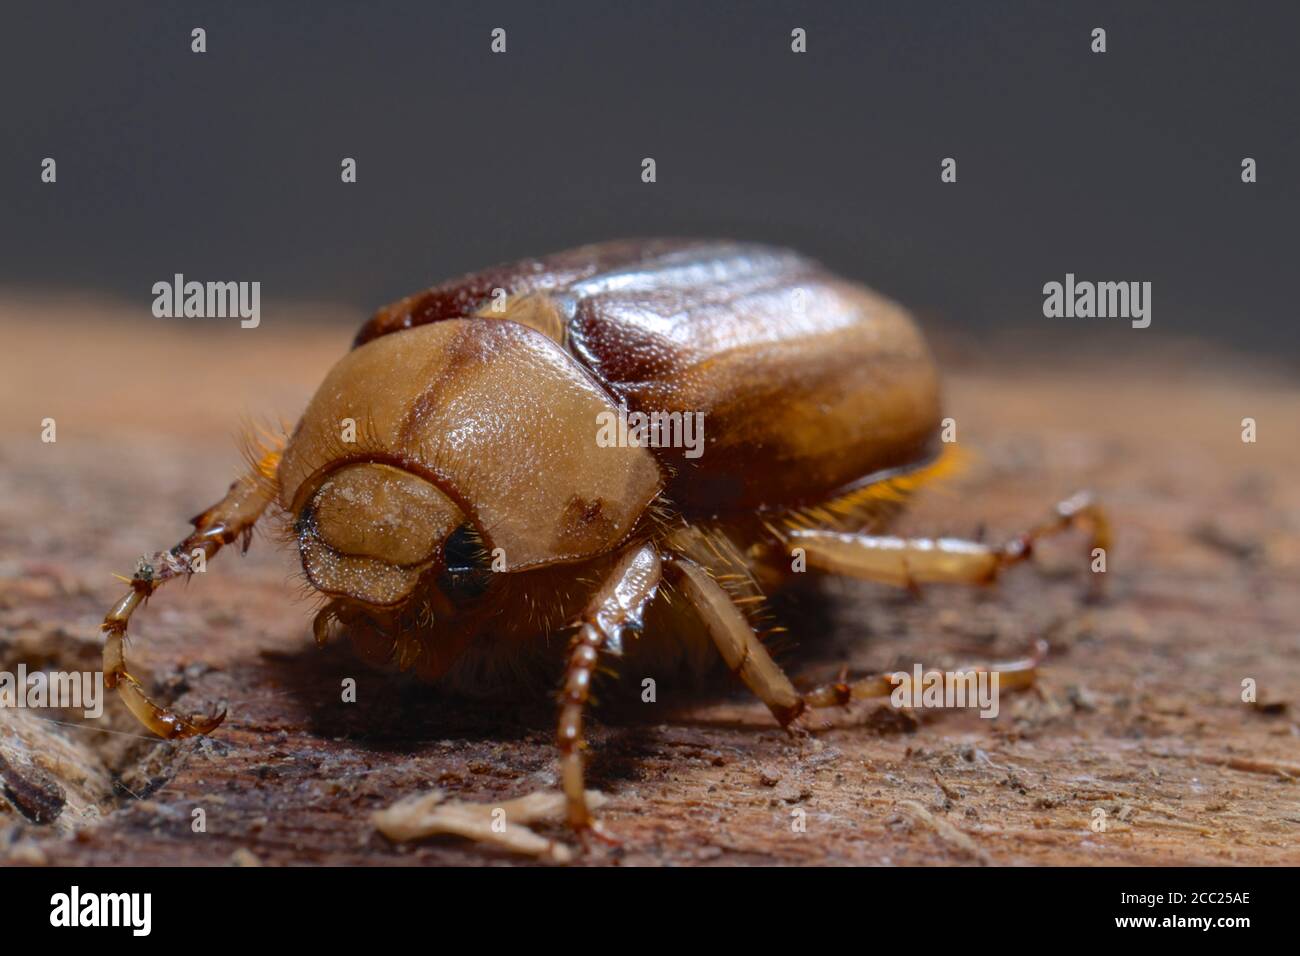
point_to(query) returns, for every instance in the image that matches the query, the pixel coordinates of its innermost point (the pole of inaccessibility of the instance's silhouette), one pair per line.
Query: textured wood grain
(1138, 711)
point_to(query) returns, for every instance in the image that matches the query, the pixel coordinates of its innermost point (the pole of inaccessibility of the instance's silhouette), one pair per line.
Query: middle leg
(748, 658)
(1012, 675)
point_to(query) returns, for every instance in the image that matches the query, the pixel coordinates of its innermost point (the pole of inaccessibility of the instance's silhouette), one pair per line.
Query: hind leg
(909, 562)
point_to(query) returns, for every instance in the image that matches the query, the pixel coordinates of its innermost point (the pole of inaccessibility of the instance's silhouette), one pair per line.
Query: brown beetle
(477, 508)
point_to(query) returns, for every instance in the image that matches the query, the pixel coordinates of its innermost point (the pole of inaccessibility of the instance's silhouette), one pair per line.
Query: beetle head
(469, 434)
(371, 530)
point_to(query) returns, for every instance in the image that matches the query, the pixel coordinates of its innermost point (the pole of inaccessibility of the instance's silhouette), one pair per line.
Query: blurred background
(225, 165)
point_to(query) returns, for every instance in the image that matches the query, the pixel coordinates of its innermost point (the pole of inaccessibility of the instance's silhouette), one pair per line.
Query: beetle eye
(467, 563)
(464, 550)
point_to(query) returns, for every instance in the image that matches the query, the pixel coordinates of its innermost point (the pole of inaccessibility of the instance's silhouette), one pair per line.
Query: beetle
(475, 510)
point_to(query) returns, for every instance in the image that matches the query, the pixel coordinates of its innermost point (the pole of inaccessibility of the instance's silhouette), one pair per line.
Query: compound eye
(371, 530)
(464, 550)
(467, 564)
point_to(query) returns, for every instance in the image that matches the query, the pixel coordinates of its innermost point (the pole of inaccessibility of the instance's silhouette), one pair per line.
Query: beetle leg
(1079, 511)
(1012, 675)
(745, 654)
(736, 641)
(619, 602)
(232, 517)
(908, 562)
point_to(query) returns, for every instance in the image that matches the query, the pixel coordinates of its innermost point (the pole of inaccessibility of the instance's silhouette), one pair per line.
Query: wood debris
(501, 824)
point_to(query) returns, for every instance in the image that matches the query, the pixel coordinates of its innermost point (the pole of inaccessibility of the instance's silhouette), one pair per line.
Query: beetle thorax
(474, 422)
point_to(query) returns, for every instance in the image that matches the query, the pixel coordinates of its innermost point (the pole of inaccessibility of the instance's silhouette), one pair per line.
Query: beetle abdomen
(807, 383)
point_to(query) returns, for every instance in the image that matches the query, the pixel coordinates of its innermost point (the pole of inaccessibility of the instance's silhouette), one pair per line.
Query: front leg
(619, 603)
(228, 520)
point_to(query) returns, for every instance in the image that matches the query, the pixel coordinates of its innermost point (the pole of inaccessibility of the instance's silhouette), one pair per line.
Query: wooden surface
(1138, 712)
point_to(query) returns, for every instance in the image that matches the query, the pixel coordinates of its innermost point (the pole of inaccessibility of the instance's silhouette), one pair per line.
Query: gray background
(1123, 166)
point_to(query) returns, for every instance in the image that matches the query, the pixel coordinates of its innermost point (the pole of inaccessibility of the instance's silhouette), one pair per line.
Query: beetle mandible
(477, 510)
